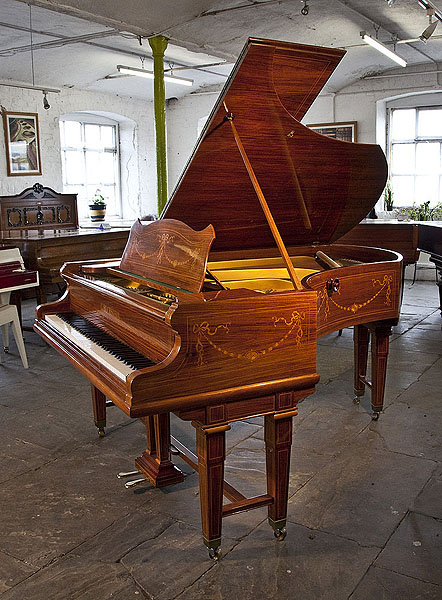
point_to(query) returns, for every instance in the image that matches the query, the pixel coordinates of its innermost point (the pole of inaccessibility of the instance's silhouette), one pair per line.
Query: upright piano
(43, 224)
(213, 312)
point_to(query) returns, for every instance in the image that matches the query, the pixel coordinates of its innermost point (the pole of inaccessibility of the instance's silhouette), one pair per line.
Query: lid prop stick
(268, 215)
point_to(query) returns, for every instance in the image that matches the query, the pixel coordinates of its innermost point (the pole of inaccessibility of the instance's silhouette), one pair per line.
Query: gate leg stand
(278, 440)
(361, 338)
(211, 450)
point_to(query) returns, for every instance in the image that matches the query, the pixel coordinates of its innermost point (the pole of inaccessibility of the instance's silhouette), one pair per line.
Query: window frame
(91, 119)
(418, 139)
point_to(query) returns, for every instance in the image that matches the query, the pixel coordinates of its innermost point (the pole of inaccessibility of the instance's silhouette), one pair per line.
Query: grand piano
(213, 312)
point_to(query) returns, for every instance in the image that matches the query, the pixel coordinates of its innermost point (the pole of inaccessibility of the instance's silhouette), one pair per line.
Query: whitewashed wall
(183, 118)
(138, 174)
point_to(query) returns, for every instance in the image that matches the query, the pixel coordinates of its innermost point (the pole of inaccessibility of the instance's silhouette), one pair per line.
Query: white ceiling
(200, 32)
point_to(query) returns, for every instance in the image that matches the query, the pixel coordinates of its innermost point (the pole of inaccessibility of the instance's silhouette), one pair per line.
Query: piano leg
(438, 262)
(278, 440)
(155, 461)
(380, 339)
(41, 296)
(99, 407)
(361, 338)
(211, 450)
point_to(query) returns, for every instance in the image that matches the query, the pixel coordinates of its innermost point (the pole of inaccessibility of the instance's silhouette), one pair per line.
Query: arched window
(91, 160)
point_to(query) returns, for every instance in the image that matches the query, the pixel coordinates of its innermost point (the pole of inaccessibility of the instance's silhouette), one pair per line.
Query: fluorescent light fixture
(381, 48)
(149, 75)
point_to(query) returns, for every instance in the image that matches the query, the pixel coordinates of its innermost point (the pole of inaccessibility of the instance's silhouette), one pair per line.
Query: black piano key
(122, 351)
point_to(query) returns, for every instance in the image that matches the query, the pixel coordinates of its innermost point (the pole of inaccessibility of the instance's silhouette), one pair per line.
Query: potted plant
(422, 212)
(97, 208)
(388, 197)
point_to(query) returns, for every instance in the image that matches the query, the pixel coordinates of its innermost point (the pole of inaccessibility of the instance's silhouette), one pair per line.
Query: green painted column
(159, 45)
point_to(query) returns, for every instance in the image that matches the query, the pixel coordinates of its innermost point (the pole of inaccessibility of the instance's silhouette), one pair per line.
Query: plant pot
(97, 212)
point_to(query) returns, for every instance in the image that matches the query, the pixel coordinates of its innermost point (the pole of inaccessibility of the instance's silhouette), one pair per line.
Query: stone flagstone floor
(365, 509)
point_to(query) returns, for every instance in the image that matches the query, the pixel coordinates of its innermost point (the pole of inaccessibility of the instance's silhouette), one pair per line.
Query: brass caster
(375, 416)
(356, 400)
(280, 534)
(101, 432)
(215, 553)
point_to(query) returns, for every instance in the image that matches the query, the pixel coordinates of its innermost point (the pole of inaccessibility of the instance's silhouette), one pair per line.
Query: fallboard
(136, 324)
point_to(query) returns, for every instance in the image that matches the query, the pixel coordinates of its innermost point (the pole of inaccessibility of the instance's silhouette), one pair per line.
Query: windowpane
(427, 157)
(403, 159)
(74, 165)
(93, 167)
(426, 188)
(92, 136)
(107, 136)
(403, 124)
(72, 132)
(107, 168)
(430, 123)
(403, 190)
(109, 194)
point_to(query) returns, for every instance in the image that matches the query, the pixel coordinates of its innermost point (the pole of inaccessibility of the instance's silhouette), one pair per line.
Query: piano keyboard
(118, 357)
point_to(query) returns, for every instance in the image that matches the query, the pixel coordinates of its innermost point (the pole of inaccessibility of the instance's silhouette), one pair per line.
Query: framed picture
(346, 132)
(22, 142)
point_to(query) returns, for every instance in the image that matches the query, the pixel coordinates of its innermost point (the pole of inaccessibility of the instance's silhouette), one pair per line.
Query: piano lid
(317, 188)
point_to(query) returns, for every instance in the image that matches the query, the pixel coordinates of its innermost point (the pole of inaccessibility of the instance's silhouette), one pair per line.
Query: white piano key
(116, 366)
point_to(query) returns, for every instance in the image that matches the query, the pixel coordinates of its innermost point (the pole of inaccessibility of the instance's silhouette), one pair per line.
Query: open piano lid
(317, 188)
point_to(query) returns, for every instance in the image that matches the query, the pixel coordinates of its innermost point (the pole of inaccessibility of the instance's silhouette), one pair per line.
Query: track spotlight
(46, 104)
(428, 32)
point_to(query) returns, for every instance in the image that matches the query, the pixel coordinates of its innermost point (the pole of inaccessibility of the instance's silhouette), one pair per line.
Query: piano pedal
(134, 482)
(109, 403)
(124, 474)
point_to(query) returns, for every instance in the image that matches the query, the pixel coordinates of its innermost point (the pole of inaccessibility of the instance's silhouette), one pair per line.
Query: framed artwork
(22, 142)
(346, 132)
